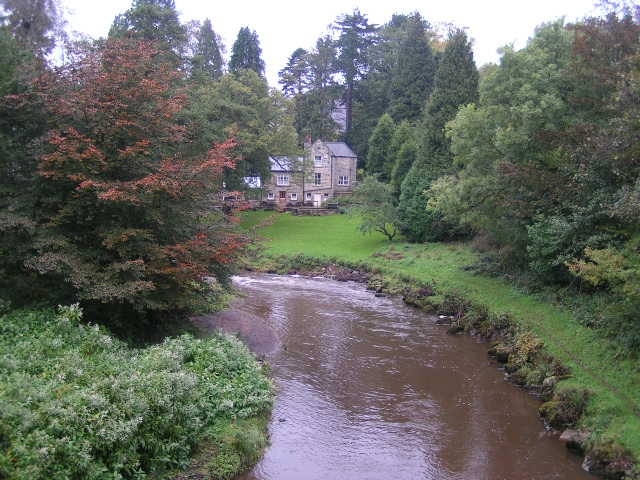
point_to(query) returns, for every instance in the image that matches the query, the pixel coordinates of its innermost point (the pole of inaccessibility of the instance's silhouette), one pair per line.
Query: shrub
(79, 404)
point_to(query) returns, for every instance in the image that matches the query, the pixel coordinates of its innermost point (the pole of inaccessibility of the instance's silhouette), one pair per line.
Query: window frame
(282, 180)
(343, 180)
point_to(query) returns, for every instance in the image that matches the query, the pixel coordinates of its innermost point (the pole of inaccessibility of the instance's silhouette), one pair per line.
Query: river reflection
(371, 389)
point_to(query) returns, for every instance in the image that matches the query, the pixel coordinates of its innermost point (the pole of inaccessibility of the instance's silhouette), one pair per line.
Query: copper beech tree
(127, 221)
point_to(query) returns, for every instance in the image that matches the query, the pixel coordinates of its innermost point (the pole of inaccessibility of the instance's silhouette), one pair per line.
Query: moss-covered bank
(589, 395)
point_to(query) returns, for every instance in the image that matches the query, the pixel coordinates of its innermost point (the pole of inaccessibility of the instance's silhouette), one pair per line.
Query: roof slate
(340, 149)
(282, 163)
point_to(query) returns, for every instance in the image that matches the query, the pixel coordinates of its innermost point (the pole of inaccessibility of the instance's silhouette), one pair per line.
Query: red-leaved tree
(127, 221)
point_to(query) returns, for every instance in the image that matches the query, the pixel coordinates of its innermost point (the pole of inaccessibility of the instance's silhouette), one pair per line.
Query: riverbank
(605, 389)
(79, 403)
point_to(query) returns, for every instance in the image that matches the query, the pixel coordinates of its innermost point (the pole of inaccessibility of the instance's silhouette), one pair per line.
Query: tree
(355, 38)
(413, 74)
(207, 57)
(33, 23)
(241, 105)
(456, 84)
(404, 151)
(122, 213)
(314, 108)
(379, 157)
(156, 21)
(294, 77)
(373, 203)
(246, 53)
(21, 125)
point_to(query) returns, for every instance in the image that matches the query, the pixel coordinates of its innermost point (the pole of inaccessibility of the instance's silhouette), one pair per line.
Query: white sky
(284, 25)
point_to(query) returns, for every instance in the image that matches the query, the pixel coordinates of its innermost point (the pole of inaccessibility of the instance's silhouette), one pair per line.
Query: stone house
(327, 171)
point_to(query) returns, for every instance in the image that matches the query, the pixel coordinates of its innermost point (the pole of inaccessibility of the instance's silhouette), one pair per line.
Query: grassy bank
(613, 408)
(77, 403)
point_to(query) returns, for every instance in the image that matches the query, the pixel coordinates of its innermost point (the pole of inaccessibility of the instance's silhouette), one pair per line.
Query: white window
(282, 180)
(343, 180)
(317, 178)
(271, 196)
(308, 195)
(293, 196)
(326, 195)
(320, 161)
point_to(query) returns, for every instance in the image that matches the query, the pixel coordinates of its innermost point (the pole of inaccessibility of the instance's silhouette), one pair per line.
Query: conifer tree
(246, 53)
(403, 150)
(413, 75)
(294, 77)
(456, 84)
(355, 38)
(155, 20)
(379, 155)
(207, 58)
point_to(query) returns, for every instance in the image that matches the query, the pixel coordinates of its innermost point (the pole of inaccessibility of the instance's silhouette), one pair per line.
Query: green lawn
(614, 410)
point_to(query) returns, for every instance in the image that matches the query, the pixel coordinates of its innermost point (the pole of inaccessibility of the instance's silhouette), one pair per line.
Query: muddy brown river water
(369, 388)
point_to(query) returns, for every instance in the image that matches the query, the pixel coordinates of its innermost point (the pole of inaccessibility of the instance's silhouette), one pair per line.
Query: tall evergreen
(155, 20)
(294, 77)
(371, 94)
(315, 106)
(403, 150)
(355, 37)
(246, 53)
(207, 59)
(456, 84)
(33, 24)
(413, 75)
(379, 155)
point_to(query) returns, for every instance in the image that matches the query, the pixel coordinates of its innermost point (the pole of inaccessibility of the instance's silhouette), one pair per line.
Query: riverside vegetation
(78, 403)
(590, 393)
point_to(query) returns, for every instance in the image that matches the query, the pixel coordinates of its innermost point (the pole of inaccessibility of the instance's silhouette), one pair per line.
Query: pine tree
(355, 38)
(379, 155)
(413, 75)
(207, 59)
(246, 53)
(155, 20)
(456, 84)
(294, 77)
(33, 24)
(403, 150)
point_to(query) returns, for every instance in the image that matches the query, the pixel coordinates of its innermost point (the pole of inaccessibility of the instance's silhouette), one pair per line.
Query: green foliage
(413, 73)
(246, 53)
(241, 105)
(156, 21)
(34, 25)
(618, 270)
(379, 154)
(413, 218)
(455, 86)
(206, 61)
(373, 204)
(403, 150)
(355, 38)
(79, 404)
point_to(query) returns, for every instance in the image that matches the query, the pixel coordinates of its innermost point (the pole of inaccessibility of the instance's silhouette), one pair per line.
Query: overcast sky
(284, 25)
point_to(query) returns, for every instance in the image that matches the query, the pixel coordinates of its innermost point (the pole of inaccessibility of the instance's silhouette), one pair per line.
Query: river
(369, 388)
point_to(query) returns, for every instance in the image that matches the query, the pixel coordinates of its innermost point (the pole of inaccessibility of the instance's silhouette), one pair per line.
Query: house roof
(252, 182)
(282, 163)
(340, 149)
